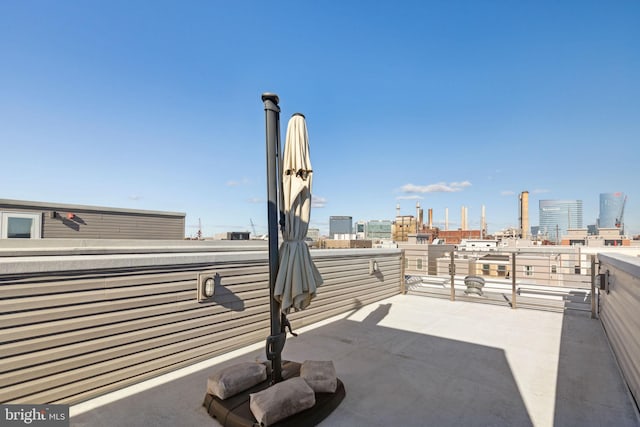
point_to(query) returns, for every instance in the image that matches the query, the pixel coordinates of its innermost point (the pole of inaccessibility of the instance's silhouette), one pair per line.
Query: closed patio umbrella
(298, 276)
(293, 279)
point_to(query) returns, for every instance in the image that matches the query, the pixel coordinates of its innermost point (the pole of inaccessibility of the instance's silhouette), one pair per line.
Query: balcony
(121, 337)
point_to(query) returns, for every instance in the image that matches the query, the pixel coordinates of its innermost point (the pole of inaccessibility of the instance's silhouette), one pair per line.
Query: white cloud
(243, 181)
(507, 193)
(256, 200)
(462, 184)
(415, 197)
(135, 197)
(318, 202)
(440, 187)
(540, 191)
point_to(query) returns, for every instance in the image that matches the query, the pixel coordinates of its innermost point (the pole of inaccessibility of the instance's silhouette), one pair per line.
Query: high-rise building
(340, 225)
(611, 210)
(557, 216)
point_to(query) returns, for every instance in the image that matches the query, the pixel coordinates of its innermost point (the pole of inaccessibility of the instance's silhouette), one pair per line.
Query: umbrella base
(235, 411)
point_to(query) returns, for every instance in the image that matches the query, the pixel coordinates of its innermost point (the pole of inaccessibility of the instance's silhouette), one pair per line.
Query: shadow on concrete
(588, 373)
(392, 378)
(357, 306)
(396, 377)
(377, 315)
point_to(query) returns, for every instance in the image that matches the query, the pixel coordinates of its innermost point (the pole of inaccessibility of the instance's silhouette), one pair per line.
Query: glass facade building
(378, 229)
(557, 216)
(610, 209)
(374, 229)
(340, 225)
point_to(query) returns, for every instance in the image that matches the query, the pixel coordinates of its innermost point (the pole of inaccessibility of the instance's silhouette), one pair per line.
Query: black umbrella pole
(272, 120)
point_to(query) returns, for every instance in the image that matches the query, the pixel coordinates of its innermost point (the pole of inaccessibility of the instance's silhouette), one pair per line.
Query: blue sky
(156, 105)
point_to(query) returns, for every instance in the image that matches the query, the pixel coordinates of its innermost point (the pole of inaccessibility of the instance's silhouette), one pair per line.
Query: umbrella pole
(275, 342)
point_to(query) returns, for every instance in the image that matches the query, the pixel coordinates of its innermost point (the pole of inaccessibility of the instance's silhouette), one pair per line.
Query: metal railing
(568, 275)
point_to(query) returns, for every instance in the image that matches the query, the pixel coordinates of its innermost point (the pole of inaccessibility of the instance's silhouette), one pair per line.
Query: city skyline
(157, 106)
(535, 212)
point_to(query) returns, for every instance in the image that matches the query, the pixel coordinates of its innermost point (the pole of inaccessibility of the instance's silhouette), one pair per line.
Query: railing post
(593, 286)
(403, 289)
(513, 280)
(452, 271)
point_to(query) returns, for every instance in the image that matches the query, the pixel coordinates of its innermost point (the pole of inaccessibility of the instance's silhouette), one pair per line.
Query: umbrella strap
(284, 322)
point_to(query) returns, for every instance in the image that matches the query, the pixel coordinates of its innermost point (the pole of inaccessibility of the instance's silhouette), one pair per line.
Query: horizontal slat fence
(619, 312)
(69, 333)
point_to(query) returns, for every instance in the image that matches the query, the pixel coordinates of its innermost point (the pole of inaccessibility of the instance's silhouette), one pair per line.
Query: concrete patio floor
(416, 361)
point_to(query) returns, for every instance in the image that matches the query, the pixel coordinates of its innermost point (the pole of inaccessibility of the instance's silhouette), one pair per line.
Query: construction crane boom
(620, 218)
(253, 227)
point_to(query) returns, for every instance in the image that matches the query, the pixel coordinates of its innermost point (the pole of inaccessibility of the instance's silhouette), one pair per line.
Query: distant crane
(199, 232)
(255, 235)
(253, 227)
(620, 218)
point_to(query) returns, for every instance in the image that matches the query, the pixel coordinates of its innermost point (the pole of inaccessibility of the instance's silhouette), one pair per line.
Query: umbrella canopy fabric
(298, 277)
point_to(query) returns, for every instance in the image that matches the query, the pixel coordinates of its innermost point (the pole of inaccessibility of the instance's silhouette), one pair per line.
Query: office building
(611, 210)
(313, 234)
(374, 229)
(340, 225)
(557, 217)
(378, 229)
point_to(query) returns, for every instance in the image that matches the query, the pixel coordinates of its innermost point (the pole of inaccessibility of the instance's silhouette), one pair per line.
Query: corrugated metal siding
(97, 225)
(620, 315)
(69, 335)
(103, 224)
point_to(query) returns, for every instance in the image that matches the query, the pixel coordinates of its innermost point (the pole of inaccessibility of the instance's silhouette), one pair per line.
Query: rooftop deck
(410, 360)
